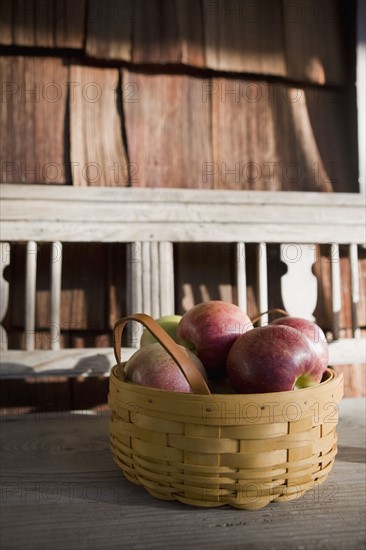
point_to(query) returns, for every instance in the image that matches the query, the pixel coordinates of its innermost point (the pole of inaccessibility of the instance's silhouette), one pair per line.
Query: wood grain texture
(191, 32)
(245, 37)
(312, 154)
(109, 29)
(243, 136)
(285, 217)
(314, 41)
(155, 32)
(32, 128)
(70, 23)
(44, 23)
(294, 217)
(6, 30)
(97, 153)
(300, 41)
(57, 468)
(34, 23)
(333, 160)
(158, 31)
(168, 129)
(23, 19)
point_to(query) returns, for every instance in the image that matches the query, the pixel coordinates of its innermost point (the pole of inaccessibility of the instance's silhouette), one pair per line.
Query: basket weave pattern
(213, 450)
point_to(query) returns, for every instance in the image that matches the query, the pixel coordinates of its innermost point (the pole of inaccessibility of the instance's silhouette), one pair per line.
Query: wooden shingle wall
(173, 93)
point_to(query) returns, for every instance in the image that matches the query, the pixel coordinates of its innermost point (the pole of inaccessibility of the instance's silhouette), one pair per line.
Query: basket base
(214, 451)
(246, 504)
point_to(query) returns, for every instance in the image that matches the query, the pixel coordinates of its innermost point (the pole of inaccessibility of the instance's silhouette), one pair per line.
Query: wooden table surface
(60, 489)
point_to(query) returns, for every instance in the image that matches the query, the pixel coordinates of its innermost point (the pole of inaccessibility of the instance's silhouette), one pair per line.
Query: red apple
(213, 327)
(153, 366)
(310, 330)
(273, 358)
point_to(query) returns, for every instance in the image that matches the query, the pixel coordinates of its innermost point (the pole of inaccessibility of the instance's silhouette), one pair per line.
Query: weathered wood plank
(165, 107)
(58, 24)
(32, 125)
(314, 41)
(70, 23)
(243, 136)
(315, 152)
(109, 29)
(181, 232)
(23, 21)
(186, 196)
(6, 22)
(182, 207)
(98, 155)
(245, 37)
(57, 467)
(333, 160)
(180, 217)
(67, 210)
(191, 33)
(44, 23)
(155, 32)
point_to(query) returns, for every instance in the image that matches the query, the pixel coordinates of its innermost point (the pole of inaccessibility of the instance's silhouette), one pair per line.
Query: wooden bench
(151, 221)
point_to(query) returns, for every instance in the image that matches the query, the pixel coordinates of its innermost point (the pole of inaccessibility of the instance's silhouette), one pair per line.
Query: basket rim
(331, 375)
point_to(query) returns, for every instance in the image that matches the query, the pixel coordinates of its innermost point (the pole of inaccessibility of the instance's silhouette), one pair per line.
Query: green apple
(170, 324)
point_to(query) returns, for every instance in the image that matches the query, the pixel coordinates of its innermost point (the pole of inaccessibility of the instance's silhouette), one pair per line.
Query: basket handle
(269, 311)
(188, 368)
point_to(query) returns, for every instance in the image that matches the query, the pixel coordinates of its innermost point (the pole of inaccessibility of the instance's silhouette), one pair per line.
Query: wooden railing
(150, 221)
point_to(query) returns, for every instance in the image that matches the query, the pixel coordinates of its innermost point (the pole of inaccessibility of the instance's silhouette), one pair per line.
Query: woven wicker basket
(221, 449)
